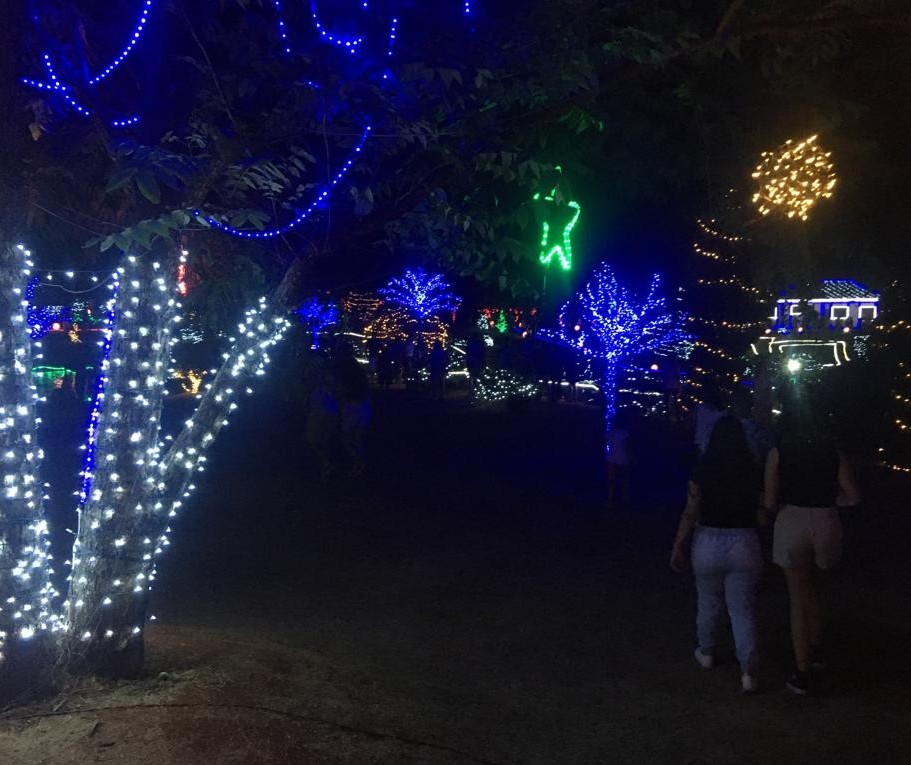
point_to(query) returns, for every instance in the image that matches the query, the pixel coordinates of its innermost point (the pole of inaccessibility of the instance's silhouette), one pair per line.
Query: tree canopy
(645, 105)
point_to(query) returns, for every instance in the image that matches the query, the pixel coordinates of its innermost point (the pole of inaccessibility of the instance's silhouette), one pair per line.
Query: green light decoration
(562, 251)
(502, 325)
(47, 375)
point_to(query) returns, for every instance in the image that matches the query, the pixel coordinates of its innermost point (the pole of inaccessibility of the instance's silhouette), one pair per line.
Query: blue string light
(128, 48)
(59, 88)
(421, 293)
(56, 86)
(125, 123)
(608, 325)
(349, 43)
(282, 29)
(321, 197)
(390, 49)
(88, 463)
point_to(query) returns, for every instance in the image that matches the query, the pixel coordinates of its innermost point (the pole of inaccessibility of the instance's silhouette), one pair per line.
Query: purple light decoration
(303, 216)
(421, 293)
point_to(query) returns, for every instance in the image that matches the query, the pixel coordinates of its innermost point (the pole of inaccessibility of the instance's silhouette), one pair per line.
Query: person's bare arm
(771, 487)
(688, 522)
(848, 492)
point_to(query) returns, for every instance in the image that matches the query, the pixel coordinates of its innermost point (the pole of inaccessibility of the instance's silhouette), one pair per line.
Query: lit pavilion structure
(827, 330)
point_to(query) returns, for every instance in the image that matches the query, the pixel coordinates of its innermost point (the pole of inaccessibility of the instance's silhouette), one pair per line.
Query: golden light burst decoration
(794, 177)
(190, 381)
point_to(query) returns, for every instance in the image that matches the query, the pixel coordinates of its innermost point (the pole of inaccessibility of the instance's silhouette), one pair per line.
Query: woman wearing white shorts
(805, 477)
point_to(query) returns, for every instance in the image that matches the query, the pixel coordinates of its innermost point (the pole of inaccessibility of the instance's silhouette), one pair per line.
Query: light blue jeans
(727, 564)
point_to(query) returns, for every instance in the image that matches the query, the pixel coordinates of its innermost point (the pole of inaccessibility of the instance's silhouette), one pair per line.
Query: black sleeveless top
(727, 503)
(808, 472)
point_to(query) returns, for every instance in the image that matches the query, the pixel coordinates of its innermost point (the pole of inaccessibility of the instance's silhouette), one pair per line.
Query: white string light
(142, 482)
(27, 603)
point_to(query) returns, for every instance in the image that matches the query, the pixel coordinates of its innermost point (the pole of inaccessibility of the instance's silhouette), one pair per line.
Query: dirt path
(469, 601)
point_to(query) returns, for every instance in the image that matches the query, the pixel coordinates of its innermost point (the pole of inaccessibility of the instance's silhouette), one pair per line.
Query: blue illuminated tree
(317, 316)
(608, 325)
(421, 294)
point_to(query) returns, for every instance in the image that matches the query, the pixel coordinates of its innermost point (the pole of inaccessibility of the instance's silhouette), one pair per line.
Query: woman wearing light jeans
(721, 506)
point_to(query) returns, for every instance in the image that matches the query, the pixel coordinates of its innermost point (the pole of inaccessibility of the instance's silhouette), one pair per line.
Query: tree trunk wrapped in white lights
(260, 330)
(119, 515)
(137, 485)
(132, 484)
(26, 605)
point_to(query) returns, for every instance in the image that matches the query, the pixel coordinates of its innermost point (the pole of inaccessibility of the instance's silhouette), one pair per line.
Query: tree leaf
(148, 186)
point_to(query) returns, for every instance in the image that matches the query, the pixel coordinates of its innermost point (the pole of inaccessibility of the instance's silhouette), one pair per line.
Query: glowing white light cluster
(118, 504)
(26, 607)
(494, 386)
(133, 483)
(142, 482)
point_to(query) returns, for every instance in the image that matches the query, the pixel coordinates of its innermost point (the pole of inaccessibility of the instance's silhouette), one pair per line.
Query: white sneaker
(706, 660)
(750, 684)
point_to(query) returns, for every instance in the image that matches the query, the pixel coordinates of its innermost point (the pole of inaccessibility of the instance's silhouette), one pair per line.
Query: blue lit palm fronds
(421, 294)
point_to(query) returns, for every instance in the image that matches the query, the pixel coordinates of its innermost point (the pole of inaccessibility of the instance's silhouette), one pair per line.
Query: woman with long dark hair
(722, 504)
(806, 476)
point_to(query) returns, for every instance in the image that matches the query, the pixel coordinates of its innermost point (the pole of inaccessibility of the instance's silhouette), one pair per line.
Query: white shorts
(807, 534)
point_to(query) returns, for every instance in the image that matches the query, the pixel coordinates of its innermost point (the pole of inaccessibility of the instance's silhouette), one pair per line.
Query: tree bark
(609, 386)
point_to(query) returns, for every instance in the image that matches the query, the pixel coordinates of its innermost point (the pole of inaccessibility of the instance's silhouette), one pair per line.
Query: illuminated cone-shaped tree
(607, 324)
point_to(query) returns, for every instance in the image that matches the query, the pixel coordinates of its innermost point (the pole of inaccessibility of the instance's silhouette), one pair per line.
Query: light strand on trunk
(259, 332)
(27, 607)
(107, 590)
